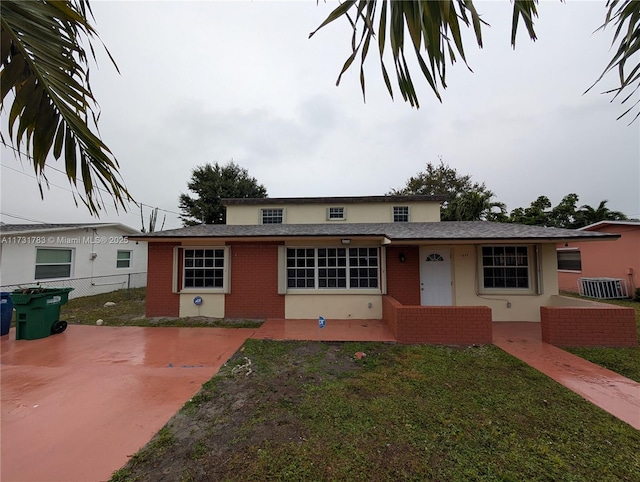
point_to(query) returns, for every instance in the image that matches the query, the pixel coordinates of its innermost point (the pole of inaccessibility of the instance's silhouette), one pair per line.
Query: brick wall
(254, 282)
(403, 278)
(588, 326)
(451, 325)
(160, 300)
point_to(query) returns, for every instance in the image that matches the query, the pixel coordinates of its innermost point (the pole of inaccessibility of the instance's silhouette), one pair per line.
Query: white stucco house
(92, 257)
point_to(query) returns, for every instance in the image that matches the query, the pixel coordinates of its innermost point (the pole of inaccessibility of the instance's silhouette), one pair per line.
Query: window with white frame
(272, 216)
(333, 268)
(203, 268)
(123, 259)
(336, 213)
(569, 260)
(400, 214)
(506, 267)
(53, 263)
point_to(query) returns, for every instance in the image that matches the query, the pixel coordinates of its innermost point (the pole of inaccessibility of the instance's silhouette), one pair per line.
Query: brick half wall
(588, 326)
(161, 301)
(447, 325)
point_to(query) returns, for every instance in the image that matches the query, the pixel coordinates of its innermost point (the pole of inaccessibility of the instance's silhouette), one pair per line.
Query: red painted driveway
(75, 405)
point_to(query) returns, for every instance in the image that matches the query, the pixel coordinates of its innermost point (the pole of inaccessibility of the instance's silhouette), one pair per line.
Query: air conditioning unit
(603, 288)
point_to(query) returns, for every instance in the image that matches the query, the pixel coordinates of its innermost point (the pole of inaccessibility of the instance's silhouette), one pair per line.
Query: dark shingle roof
(434, 231)
(333, 200)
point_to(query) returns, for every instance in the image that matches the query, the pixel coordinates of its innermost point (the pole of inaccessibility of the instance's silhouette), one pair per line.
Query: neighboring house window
(505, 267)
(53, 263)
(333, 268)
(569, 260)
(336, 213)
(204, 268)
(272, 216)
(123, 259)
(401, 214)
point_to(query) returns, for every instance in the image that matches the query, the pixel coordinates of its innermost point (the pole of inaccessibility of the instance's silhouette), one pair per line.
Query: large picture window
(204, 268)
(333, 268)
(53, 263)
(506, 267)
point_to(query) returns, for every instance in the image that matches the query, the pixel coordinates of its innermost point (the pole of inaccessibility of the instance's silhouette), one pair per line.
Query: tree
(588, 215)
(465, 200)
(536, 214)
(564, 214)
(478, 206)
(212, 183)
(45, 65)
(434, 29)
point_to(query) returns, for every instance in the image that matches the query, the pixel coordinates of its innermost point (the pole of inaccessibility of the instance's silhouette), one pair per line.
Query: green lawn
(311, 411)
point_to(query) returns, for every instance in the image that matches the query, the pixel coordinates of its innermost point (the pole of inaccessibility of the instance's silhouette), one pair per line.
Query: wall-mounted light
(345, 241)
(402, 257)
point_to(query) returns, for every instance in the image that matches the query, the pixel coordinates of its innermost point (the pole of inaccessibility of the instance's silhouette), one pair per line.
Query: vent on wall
(603, 288)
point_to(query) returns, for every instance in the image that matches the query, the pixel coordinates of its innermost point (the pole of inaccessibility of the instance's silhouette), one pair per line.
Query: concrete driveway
(74, 406)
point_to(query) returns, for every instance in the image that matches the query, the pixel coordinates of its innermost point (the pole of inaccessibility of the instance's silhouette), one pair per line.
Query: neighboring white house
(92, 258)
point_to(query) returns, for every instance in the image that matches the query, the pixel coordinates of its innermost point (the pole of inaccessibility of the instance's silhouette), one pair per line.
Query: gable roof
(333, 200)
(447, 231)
(39, 228)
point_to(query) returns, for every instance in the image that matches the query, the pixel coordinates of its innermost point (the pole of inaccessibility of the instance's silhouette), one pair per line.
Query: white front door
(435, 277)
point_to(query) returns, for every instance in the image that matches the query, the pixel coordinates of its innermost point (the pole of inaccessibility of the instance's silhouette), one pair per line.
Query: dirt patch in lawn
(237, 411)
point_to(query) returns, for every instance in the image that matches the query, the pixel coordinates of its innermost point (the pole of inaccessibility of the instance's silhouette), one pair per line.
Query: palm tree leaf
(45, 65)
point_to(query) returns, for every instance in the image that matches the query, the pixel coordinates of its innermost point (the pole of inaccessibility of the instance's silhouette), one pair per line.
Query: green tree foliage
(565, 215)
(433, 31)
(44, 65)
(212, 183)
(466, 200)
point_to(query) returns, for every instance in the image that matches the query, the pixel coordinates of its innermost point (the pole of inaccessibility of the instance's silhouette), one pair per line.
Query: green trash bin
(38, 311)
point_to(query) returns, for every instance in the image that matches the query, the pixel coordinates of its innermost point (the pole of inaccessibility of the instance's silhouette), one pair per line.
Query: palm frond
(45, 65)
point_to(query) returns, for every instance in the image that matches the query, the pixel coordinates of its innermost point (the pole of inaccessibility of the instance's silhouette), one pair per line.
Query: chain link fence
(89, 286)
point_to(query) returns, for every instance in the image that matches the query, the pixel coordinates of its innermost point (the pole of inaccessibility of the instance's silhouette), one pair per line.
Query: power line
(21, 217)
(80, 180)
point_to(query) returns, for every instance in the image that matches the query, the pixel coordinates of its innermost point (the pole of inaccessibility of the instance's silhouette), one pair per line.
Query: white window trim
(316, 290)
(559, 250)
(261, 217)
(130, 258)
(71, 263)
(534, 272)
(344, 213)
(178, 271)
(393, 216)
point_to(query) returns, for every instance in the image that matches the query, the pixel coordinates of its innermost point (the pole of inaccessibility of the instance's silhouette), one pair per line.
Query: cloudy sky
(211, 81)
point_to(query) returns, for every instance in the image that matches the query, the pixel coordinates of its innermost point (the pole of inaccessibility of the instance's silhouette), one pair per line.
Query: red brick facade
(454, 325)
(403, 276)
(161, 301)
(254, 282)
(588, 326)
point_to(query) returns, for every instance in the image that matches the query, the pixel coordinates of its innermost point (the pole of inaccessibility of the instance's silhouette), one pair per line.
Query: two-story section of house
(352, 258)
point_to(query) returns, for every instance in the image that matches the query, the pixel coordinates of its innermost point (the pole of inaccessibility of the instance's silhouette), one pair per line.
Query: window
(335, 213)
(123, 259)
(569, 260)
(272, 216)
(400, 214)
(332, 268)
(53, 263)
(204, 268)
(505, 267)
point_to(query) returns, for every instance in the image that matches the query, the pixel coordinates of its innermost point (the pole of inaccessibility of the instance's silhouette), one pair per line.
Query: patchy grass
(625, 361)
(129, 310)
(311, 411)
